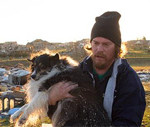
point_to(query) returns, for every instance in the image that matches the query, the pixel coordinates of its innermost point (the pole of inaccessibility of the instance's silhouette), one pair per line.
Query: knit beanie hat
(107, 26)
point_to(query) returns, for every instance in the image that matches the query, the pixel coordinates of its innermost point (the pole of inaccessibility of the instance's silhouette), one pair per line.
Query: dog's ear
(31, 60)
(56, 56)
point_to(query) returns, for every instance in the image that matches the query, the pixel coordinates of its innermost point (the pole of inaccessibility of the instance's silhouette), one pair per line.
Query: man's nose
(100, 48)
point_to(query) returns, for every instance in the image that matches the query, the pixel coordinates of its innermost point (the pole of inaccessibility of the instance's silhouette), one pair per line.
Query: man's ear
(88, 47)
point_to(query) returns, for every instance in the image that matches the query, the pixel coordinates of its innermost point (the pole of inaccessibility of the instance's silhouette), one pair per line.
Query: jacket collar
(87, 65)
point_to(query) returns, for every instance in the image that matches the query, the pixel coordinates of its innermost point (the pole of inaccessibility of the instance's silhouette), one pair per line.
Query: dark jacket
(129, 96)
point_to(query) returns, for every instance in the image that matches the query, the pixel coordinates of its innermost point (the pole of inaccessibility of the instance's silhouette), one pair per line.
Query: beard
(100, 61)
(99, 65)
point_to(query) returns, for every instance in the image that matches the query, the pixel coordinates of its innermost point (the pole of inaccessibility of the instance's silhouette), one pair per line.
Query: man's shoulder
(125, 68)
(128, 76)
(86, 63)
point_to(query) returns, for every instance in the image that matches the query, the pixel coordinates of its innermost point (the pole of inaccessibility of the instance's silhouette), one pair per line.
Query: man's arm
(60, 91)
(129, 103)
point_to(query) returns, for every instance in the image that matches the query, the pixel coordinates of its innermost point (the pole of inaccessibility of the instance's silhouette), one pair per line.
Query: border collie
(85, 109)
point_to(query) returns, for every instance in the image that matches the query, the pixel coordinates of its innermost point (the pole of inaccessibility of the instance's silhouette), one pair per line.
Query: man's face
(103, 52)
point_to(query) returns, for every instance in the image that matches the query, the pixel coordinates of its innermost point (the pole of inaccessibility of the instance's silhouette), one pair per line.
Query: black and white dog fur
(85, 109)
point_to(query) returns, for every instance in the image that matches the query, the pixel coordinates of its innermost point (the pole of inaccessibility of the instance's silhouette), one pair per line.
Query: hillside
(138, 51)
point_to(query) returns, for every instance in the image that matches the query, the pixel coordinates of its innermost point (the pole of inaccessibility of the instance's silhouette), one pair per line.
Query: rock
(18, 76)
(2, 71)
(144, 76)
(4, 79)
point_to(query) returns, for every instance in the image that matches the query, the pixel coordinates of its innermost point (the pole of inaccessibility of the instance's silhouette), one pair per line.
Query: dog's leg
(66, 110)
(17, 113)
(38, 103)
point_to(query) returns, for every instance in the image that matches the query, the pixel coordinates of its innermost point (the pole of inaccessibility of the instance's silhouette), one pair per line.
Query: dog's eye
(38, 69)
(43, 67)
(32, 67)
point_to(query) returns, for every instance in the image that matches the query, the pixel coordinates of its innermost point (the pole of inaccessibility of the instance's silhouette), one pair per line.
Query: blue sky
(68, 20)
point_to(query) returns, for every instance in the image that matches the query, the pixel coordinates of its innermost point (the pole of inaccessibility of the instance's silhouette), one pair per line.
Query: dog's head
(43, 64)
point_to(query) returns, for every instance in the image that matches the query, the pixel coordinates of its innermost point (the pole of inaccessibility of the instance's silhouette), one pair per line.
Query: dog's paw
(11, 120)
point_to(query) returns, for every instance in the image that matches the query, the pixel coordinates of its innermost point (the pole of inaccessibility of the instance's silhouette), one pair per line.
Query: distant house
(138, 42)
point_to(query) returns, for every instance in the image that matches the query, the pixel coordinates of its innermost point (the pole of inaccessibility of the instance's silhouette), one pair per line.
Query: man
(123, 93)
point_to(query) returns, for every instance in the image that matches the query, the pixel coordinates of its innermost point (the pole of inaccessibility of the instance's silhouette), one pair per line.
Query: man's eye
(95, 43)
(105, 44)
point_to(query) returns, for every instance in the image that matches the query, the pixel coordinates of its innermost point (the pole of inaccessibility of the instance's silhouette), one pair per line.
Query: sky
(69, 20)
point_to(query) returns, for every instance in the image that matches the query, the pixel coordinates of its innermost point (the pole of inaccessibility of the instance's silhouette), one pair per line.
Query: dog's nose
(33, 76)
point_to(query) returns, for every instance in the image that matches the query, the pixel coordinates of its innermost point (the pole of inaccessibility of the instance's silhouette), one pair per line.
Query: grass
(141, 68)
(138, 51)
(139, 62)
(6, 123)
(14, 62)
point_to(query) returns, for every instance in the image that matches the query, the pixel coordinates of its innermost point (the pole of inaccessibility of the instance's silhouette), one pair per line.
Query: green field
(142, 62)
(137, 63)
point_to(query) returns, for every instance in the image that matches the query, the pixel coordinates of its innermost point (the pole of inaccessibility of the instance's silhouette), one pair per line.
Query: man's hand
(60, 91)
